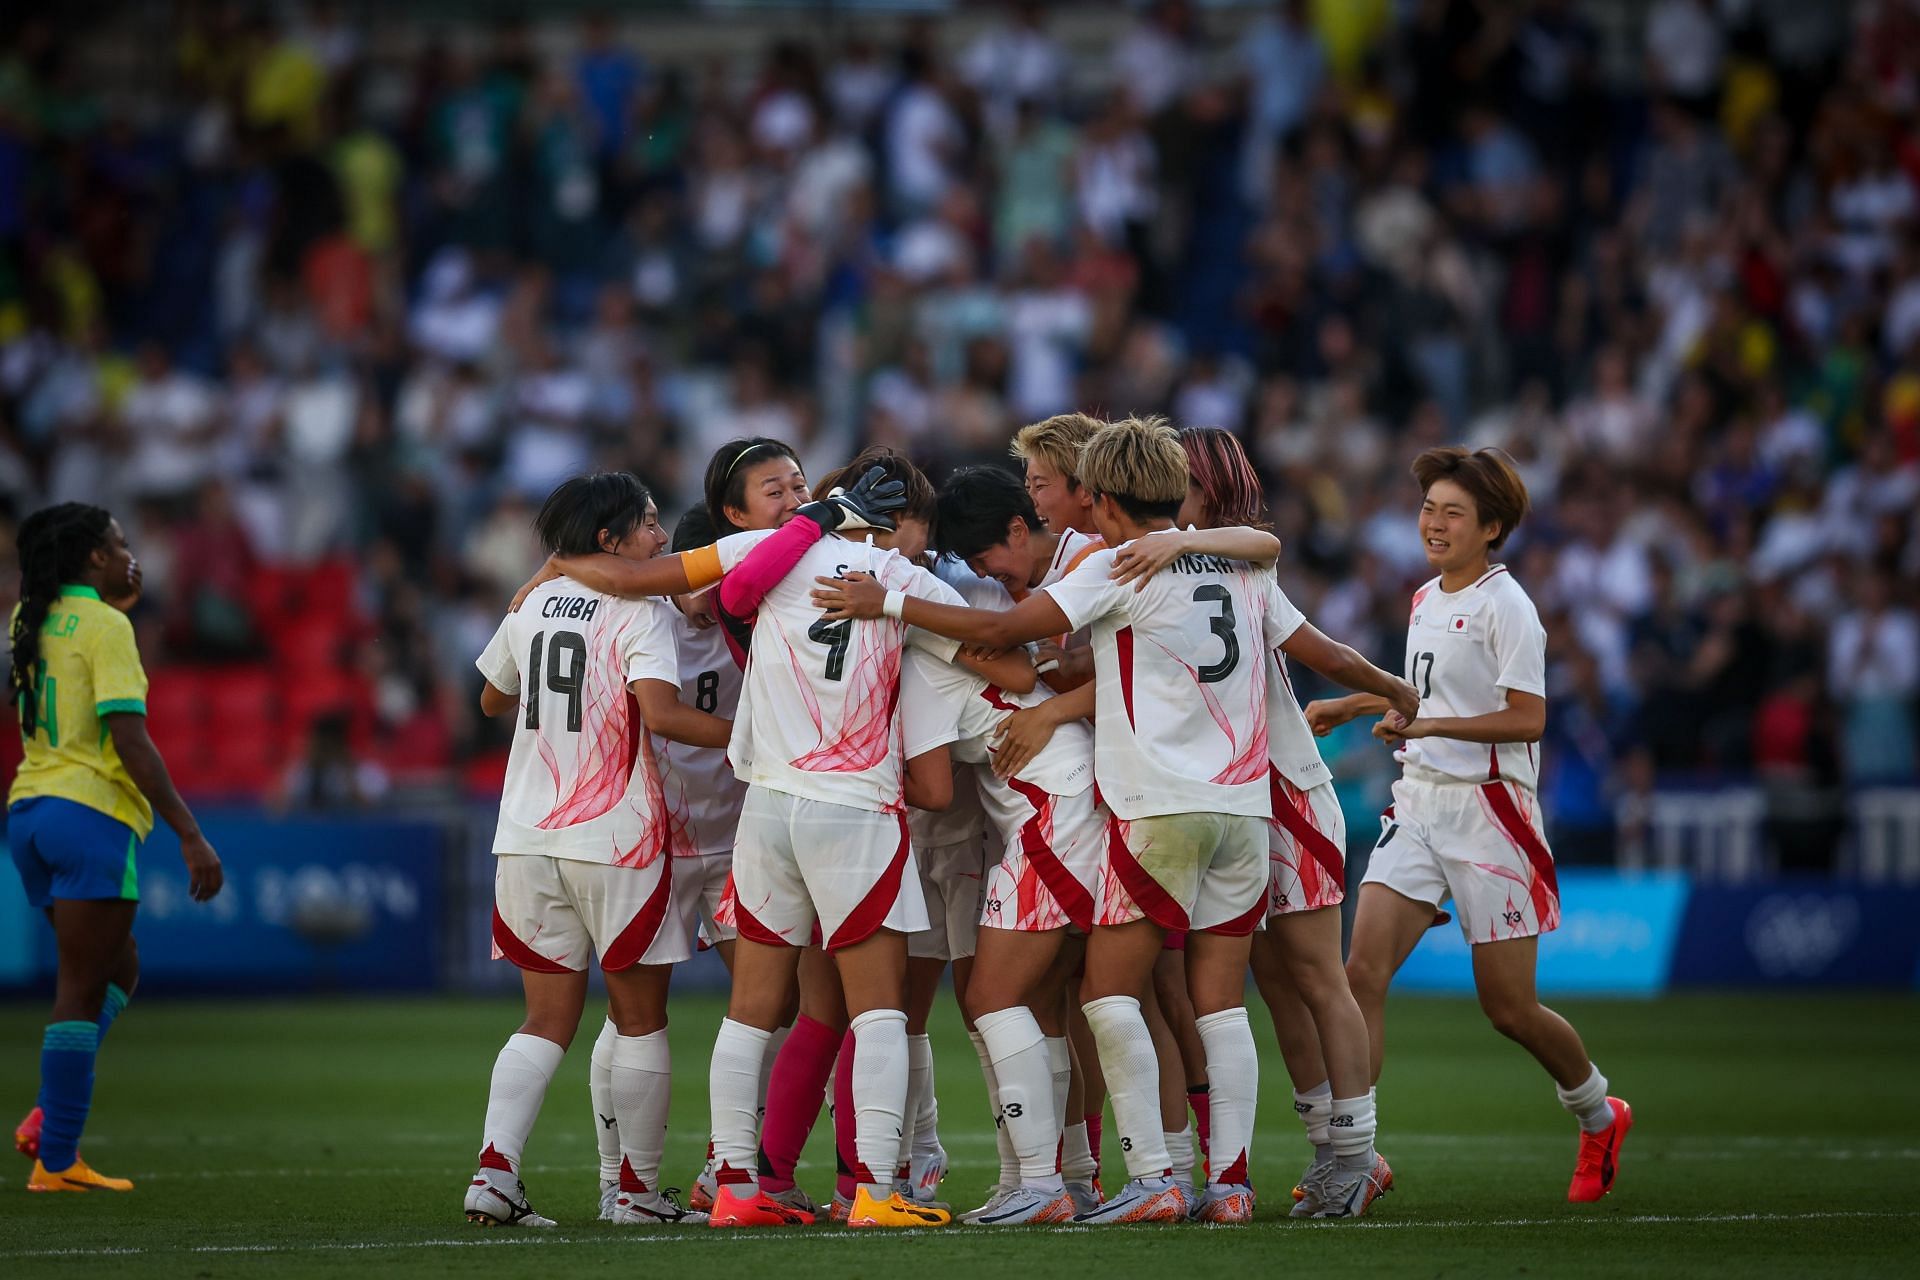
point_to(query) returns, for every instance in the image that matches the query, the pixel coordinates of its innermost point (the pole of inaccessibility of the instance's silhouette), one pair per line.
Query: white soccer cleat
(924, 1176)
(1222, 1203)
(1348, 1193)
(1086, 1197)
(496, 1198)
(995, 1198)
(1312, 1189)
(609, 1195)
(654, 1209)
(1141, 1200)
(1024, 1206)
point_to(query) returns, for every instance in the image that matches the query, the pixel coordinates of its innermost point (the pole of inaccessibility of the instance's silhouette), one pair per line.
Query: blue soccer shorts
(66, 850)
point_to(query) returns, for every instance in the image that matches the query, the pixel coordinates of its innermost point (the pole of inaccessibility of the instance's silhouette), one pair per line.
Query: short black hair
(695, 529)
(573, 515)
(976, 506)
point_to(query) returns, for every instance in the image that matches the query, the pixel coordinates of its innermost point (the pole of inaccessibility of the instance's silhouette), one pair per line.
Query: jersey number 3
(1221, 624)
(563, 675)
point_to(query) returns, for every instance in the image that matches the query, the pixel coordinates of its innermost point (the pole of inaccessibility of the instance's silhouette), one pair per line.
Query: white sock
(1076, 1154)
(1009, 1159)
(1589, 1102)
(520, 1077)
(919, 1085)
(1233, 1090)
(606, 1124)
(733, 1082)
(1133, 1082)
(1026, 1092)
(776, 1038)
(642, 1089)
(1060, 1066)
(879, 1094)
(926, 1119)
(1352, 1127)
(1315, 1108)
(1180, 1154)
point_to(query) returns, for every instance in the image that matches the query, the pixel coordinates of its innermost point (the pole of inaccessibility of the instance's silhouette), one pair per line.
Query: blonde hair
(1140, 464)
(1057, 441)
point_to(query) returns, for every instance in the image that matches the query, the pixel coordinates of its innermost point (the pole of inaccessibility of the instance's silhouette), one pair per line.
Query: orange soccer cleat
(26, 1134)
(1599, 1160)
(869, 1210)
(75, 1177)
(748, 1206)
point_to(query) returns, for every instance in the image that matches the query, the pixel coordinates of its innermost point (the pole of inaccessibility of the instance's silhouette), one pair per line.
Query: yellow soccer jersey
(89, 668)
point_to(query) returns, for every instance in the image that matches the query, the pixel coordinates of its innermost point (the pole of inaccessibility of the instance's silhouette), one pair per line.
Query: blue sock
(112, 1006)
(66, 1089)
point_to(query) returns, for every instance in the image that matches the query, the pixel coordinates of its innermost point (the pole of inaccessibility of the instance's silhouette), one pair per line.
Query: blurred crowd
(301, 299)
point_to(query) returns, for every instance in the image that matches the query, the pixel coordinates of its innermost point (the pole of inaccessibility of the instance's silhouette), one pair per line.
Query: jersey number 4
(565, 674)
(1221, 624)
(836, 636)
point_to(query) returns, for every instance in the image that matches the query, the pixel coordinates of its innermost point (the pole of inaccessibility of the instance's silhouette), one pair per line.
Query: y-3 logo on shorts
(1512, 917)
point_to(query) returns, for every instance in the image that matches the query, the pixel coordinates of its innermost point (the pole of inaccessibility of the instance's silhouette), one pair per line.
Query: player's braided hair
(54, 545)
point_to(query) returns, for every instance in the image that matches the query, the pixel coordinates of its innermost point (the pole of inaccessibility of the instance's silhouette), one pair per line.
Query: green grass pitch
(1775, 1136)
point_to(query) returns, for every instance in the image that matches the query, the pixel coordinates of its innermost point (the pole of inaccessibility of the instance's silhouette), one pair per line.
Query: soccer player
(988, 520)
(591, 822)
(822, 849)
(1296, 958)
(83, 800)
(1181, 760)
(1465, 820)
(758, 486)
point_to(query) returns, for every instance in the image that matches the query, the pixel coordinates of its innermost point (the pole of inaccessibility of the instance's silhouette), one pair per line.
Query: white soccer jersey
(1290, 743)
(1073, 547)
(942, 704)
(709, 681)
(819, 712)
(585, 779)
(1463, 652)
(963, 820)
(1180, 683)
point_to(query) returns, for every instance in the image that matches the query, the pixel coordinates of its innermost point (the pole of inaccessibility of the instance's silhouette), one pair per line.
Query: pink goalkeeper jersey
(1180, 680)
(819, 714)
(585, 779)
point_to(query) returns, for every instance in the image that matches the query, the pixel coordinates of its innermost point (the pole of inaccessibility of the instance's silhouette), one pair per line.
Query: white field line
(543, 1240)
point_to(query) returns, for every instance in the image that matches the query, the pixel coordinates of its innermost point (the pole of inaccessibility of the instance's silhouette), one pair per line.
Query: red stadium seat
(240, 698)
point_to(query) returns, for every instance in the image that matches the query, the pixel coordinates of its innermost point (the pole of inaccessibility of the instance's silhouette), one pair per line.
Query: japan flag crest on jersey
(1458, 622)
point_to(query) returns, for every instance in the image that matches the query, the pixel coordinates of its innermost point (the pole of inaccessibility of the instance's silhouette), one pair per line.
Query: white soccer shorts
(1186, 871)
(953, 885)
(699, 884)
(800, 863)
(1306, 848)
(1481, 845)
(1049, 875)
(551, 914)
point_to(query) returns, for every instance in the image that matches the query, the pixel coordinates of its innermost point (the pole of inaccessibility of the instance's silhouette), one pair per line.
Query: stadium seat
(240, 698)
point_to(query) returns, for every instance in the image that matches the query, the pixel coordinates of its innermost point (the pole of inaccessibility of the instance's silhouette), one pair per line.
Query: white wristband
(895, 602)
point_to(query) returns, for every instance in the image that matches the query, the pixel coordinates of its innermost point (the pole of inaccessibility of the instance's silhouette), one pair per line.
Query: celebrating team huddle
(1040, 731)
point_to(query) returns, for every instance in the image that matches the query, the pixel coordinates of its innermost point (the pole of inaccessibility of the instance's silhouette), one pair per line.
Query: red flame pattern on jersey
(614, 743)
(866, 731)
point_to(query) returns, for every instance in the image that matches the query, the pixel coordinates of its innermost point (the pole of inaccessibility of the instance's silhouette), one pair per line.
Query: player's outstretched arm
(663, 713)
(143, 764)
(631, 579)
(928, 781)
(1148, 554)
(1523, 719)
(1345, 665)
(1012, 670)
(1025, 734)
(858, 595)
